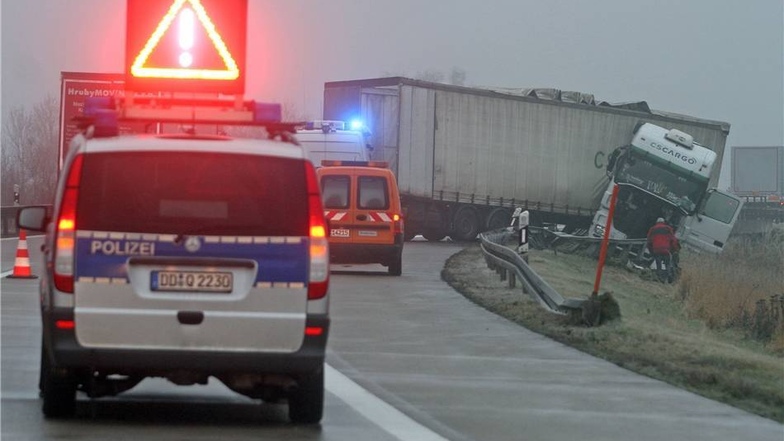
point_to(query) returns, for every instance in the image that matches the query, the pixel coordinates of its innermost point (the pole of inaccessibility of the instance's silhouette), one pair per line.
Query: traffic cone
(22, 264)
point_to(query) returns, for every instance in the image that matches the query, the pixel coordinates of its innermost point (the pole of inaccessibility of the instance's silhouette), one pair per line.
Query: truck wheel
(306, 401)
(58, 391)
(499, 218)
(466, 222)
(396, 266)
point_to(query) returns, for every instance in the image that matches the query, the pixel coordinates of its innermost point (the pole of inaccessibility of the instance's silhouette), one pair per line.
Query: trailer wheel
(467, 223)
(499, 218)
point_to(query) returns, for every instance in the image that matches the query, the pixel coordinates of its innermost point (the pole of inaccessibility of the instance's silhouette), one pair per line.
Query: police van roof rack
(105, 113)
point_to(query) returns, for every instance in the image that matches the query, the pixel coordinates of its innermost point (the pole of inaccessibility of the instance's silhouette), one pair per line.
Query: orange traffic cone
(22, 264)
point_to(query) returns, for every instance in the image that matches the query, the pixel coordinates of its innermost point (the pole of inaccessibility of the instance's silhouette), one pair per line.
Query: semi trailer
(466, 157)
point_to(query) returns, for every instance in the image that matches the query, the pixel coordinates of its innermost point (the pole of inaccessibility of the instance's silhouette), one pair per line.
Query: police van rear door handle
(362, 217)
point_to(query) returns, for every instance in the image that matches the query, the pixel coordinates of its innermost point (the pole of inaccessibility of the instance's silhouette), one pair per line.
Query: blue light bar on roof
(102, 113)
(267, 112)
(94, 104)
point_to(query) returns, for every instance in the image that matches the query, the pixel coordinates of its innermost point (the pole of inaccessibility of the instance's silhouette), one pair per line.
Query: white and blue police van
(184, 256)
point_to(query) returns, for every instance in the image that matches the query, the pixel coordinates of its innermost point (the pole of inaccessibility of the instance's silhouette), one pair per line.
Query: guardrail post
(511, 279)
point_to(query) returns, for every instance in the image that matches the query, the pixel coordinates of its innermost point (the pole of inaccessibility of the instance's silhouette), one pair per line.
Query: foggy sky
(713, 59)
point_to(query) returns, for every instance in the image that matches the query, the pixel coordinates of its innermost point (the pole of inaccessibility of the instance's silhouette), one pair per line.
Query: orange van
(363, 212)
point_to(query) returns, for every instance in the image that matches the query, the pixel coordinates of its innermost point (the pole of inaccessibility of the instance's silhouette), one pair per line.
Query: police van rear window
(193, 192)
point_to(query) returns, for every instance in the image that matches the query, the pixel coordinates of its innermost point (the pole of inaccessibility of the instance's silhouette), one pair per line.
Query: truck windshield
(663, 180)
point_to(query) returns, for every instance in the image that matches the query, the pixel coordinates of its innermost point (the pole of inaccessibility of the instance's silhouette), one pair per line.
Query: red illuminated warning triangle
(231, 71)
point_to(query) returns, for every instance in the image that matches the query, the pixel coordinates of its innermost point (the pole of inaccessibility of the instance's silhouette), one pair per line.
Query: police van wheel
(58, 392)
(42, 367)
(306, 401)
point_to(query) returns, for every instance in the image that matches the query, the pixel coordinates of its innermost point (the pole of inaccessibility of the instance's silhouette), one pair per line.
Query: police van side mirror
(32, 218)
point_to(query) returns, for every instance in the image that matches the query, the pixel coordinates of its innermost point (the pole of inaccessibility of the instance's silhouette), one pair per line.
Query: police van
(331, 140)
(184, 256)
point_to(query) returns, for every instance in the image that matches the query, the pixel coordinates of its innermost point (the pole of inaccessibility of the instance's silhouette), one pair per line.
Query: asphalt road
(409, 359)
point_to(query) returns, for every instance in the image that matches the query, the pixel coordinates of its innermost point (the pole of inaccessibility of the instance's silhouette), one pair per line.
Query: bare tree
(29, 152)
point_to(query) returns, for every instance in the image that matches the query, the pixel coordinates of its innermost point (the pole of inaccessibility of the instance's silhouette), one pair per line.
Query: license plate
(368, 233)
(192, 281)
(339, 232)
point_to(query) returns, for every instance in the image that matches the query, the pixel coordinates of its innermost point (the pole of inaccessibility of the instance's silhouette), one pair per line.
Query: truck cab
(665, 173)
(330, 140)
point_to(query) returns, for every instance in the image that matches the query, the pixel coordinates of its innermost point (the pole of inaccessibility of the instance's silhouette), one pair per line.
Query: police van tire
(42, 366)
(306, 401)
(58, 392)
(396, 266)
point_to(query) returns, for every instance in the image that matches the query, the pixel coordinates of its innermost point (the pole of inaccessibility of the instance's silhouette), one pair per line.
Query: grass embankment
(668, 332)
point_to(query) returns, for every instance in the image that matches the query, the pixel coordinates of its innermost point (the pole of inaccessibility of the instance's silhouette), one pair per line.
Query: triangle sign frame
(231, 72)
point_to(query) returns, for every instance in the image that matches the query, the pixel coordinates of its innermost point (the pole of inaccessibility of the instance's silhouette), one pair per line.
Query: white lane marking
(389, 419)
(5, 274)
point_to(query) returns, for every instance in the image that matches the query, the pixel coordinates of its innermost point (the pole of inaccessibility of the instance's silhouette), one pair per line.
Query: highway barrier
(512, 266)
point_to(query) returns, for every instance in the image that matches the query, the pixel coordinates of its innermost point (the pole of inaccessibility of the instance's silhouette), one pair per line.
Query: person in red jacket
(663, 244)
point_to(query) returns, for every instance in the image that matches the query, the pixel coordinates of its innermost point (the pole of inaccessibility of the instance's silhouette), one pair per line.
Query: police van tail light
(65, 235)
(318, 280)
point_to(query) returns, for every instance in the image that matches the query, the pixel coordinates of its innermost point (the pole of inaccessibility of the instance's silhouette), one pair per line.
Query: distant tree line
(29, 153)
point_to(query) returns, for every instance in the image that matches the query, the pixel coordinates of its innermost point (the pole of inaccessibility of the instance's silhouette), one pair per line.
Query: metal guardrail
(8, 219)
(513, 266)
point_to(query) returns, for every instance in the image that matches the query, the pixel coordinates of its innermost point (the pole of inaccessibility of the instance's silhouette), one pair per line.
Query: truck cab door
(709, 229)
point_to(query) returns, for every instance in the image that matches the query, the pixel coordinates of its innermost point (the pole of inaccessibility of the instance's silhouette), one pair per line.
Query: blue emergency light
(267, 112)
(101, 113)
(104, 115)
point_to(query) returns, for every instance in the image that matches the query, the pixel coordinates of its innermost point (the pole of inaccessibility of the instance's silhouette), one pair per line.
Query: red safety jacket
(662, 240)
